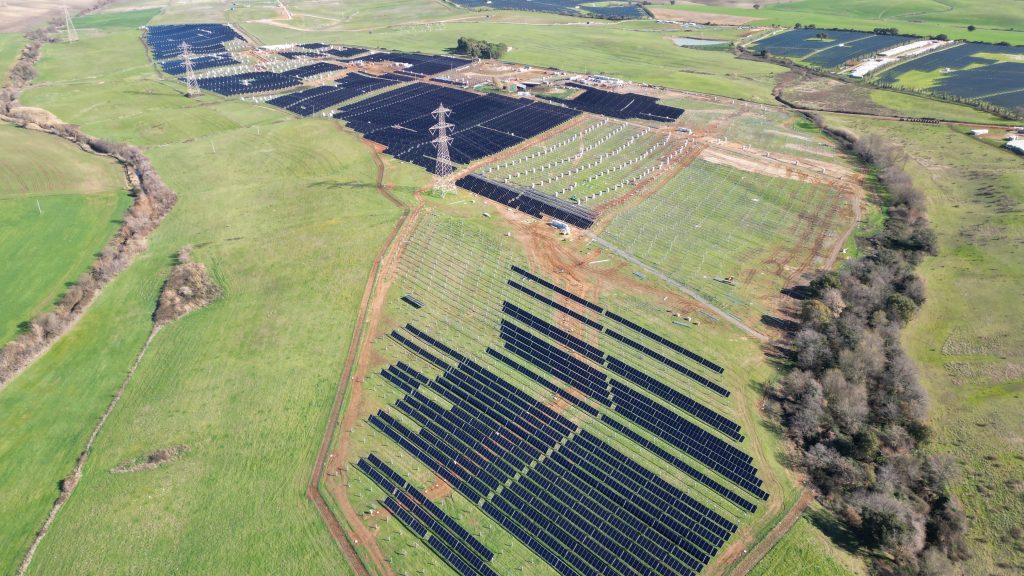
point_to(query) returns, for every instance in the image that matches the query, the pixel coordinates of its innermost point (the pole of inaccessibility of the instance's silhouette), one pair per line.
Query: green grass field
(287, 217)
(966, 339)
(58, 206)
(805, 551)
(10, 47)
(921, 17)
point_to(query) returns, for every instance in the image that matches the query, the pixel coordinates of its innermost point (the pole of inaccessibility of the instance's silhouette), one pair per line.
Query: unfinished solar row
(426, 520)
(570, 497)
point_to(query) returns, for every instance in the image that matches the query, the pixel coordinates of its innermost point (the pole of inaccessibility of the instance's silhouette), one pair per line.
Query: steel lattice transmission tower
(69, 26)
(444, 170)
(190, 74)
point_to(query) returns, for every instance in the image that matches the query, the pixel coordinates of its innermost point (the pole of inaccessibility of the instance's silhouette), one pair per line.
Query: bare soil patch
(150, 461)
(25, 15)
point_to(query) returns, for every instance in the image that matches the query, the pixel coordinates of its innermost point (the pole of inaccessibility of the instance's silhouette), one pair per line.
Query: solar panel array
(248, 83)
(623, 106)
(484, 124)
(165, 41)
(314, 100)
(443, 534)
(177, 67)
(419, 64)
(658, 419)
(572, 498)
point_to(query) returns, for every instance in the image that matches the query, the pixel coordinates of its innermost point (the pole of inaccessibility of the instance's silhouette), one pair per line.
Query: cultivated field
(58, 207)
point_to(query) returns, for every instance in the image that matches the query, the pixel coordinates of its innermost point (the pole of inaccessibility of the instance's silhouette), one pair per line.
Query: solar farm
(555, 367)
(972, 71)
(514, 421)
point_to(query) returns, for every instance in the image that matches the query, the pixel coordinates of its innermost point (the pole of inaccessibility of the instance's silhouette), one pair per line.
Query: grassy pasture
(58, 207)
(286, 215)
(966, 339)
(10, 47)
(805, 551)
(126, 19)
(994, 21)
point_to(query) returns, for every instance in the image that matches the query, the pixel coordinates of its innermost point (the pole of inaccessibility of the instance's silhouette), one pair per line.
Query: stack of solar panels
(443, 534)
(177, 67)
(419, 64)
(622, 105)
(320, 98)
(248, 83)
(528, 200)
(165, 41)
(314, 46)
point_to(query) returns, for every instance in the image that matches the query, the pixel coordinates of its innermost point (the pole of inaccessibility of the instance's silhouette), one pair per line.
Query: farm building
(979, 132)
(1016, 146)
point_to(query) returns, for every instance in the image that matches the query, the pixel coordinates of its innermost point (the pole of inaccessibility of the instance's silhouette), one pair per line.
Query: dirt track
(347, 383)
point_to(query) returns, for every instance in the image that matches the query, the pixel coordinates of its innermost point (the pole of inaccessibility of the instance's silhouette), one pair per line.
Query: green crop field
(966, 339)
(58, 206)
(994, 21)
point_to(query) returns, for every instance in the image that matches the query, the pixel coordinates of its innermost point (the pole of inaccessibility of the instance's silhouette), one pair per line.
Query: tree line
(852, 404)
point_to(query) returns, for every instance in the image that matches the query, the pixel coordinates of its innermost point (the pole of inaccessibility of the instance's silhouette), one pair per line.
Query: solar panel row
(700, 444)
(248, 83)
(528, 200)
(484, 124)
(669, 362)
(563, 292)
(556, 305)
(176, 67)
